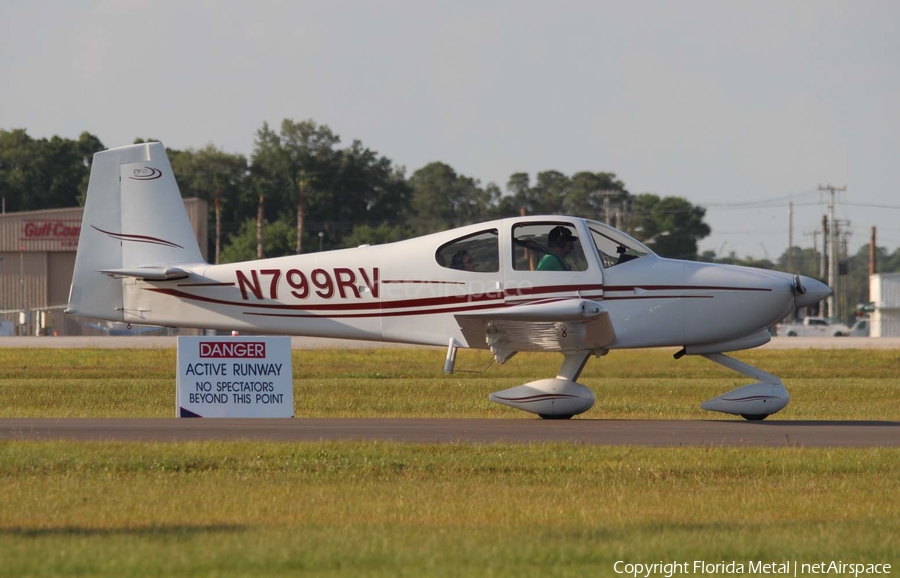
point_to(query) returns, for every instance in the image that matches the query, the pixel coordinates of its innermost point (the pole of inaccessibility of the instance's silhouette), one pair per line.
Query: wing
(567, 325)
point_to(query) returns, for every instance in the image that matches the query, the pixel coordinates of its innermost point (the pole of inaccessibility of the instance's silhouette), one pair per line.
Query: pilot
(462, 260)
(560, 242)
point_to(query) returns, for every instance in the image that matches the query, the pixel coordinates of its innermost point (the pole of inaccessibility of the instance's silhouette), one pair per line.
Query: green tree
(671, 224)
(597, 196)
(44, 173)
(889, 263)
(546, 197)
(363, 189)
(298, 161)
(215, 176)
(443, 199)
(375, 235)
(279, 239)
(799, 261)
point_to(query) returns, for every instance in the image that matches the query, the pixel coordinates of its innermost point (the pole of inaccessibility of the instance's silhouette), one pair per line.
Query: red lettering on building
(51, 230)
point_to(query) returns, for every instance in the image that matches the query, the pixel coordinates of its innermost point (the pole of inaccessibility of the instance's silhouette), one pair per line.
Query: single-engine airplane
(536, 283)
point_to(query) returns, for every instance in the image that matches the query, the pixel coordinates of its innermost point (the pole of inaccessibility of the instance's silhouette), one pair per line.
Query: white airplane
(537, 283)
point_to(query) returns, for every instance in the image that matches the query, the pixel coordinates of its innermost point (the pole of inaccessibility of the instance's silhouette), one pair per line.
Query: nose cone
(810, 291)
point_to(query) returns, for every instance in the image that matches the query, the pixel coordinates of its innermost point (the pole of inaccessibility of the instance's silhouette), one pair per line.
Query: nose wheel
(754, 402)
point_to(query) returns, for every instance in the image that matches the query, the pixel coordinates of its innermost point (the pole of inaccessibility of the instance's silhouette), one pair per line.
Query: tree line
(301, 191)
(307, 193)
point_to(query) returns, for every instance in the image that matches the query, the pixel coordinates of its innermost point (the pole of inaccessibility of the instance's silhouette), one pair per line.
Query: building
(884, 291)
(37, 258)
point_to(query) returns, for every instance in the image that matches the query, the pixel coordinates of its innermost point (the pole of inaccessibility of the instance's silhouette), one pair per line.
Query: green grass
(445, 510)
(836, 384)
(383, 509)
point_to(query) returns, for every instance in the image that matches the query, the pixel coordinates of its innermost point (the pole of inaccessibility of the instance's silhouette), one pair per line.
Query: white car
(812, 327)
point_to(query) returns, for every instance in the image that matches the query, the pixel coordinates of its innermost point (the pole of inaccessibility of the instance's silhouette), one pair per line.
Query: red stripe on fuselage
(491, 299)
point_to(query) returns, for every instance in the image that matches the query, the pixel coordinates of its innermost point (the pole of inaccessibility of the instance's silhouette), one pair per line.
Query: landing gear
(558, 398)
(754, 402)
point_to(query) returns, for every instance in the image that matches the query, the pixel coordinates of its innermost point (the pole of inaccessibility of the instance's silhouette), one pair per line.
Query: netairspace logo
(786, 568)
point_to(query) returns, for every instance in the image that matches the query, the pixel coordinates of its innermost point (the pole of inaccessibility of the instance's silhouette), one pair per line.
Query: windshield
(615, 247)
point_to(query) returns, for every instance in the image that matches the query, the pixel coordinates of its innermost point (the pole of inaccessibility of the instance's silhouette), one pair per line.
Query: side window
(479, 253)
(547, 247)
(613, 246)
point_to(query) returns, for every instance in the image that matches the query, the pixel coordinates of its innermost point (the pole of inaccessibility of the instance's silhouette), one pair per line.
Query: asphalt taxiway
(425, 430)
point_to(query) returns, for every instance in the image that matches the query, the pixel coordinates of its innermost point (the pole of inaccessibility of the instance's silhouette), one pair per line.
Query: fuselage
(411, 291)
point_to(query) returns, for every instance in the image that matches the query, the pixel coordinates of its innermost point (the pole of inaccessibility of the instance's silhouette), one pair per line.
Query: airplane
(538, 283)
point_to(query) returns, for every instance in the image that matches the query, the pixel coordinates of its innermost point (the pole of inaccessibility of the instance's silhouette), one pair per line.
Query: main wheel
(754, 416)
(549, 416)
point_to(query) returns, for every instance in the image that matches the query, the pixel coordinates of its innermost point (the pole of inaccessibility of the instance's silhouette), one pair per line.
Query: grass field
(382, 509)
(647, 384)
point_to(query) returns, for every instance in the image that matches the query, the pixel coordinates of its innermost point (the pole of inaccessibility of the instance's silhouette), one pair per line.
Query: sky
(740, 106)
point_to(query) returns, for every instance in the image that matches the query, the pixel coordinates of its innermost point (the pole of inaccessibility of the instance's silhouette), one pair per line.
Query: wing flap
(566, 326)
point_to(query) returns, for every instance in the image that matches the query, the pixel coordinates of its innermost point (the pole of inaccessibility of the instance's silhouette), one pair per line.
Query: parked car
(860, 328)
(813, 327)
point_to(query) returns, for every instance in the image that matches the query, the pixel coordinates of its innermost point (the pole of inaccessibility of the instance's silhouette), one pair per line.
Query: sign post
(234, 377)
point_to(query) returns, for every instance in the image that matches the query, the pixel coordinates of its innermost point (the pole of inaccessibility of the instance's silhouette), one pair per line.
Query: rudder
(134, 217)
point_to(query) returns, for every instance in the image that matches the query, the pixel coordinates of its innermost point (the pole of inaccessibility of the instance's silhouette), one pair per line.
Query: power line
(741, 208)
(750, 204)
(874, 206)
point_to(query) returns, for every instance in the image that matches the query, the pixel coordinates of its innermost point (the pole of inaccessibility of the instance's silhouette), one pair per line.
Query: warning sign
(234, 377)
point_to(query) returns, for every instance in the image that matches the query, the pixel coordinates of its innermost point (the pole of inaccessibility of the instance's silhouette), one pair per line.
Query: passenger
(463, 261)
(560, 242)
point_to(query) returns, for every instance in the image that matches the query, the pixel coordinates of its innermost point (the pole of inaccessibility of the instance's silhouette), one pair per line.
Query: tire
(840, 334)
(792, 334)
(549, 416)
(754, 416)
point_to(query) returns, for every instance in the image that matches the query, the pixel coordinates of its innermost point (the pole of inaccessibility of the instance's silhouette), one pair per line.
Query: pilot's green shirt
(551, 262)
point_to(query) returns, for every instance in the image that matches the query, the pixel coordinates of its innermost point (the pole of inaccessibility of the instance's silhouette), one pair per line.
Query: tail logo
(146, 174)
(139, 238)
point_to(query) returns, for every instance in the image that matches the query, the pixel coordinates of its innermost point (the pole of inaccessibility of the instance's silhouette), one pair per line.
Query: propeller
(798, 288)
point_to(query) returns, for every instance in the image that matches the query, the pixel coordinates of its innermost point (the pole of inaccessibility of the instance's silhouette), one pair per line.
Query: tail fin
(134, 219)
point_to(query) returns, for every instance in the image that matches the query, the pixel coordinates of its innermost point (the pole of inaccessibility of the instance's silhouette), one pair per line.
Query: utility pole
(218, 224)
(873, 255)
(607, 204)
(815, 256)
(833, 249)
(790, 255)
(823, 266)
(843, 263)
(259, 227)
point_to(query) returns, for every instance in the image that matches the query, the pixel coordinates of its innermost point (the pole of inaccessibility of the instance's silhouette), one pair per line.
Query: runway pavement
(605, 432)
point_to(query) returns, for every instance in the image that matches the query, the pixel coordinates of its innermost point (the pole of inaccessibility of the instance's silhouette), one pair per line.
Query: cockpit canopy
(480, 251)
(614, 246)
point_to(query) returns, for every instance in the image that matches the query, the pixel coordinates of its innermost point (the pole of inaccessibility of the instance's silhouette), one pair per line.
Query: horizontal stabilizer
(147, 273)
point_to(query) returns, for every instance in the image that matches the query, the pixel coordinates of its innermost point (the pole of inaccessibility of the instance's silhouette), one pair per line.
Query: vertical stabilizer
(133, 217)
